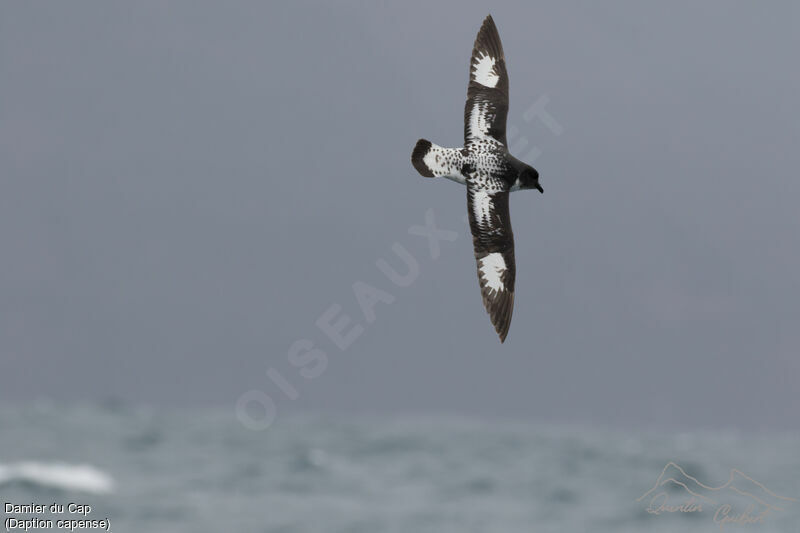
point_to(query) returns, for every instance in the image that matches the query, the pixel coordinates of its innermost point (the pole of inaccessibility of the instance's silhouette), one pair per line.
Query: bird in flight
(489, 172)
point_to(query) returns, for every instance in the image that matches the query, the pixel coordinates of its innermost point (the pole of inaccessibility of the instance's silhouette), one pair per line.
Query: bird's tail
(432, 161)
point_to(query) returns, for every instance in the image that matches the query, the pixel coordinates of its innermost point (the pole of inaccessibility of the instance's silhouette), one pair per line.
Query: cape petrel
(489, 172)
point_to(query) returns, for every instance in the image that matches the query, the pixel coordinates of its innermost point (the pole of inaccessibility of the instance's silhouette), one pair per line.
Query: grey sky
(186, 187)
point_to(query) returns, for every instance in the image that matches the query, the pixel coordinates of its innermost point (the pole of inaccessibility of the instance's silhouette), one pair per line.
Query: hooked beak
(540, 188)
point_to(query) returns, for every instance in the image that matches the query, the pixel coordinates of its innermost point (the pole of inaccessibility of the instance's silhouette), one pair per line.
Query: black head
(529, 179)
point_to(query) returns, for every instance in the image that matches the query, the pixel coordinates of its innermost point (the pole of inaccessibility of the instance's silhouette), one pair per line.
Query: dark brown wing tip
(488, 38)
(488, 21)
(501, 316)
(501, 327)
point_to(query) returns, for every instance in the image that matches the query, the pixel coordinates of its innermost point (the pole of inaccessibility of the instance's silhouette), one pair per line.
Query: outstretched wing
(487, 94)
(493, 241)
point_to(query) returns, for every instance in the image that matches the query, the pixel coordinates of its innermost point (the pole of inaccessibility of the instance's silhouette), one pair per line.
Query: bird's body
(489, 172)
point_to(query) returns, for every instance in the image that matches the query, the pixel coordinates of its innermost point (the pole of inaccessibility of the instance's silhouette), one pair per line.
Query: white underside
(463, 181)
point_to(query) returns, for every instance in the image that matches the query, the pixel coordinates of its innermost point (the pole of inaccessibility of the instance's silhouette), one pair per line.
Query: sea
(134, 469)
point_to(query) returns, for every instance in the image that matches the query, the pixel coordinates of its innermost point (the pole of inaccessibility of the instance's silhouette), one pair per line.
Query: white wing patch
(491, 268)
(481, 206)
(479, 122)
(483, 71)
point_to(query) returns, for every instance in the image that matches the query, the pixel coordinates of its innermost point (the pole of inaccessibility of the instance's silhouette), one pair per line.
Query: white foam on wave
(62, 476)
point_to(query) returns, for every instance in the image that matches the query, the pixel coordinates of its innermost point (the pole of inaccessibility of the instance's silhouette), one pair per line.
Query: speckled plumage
(489, 172)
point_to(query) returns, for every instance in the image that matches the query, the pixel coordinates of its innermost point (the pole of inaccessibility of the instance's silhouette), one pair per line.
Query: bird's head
(529, 178)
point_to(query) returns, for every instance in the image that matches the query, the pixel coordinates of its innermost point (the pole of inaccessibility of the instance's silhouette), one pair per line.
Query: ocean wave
(58, 476)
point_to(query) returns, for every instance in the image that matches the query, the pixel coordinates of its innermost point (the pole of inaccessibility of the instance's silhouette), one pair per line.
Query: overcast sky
(188, 188)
